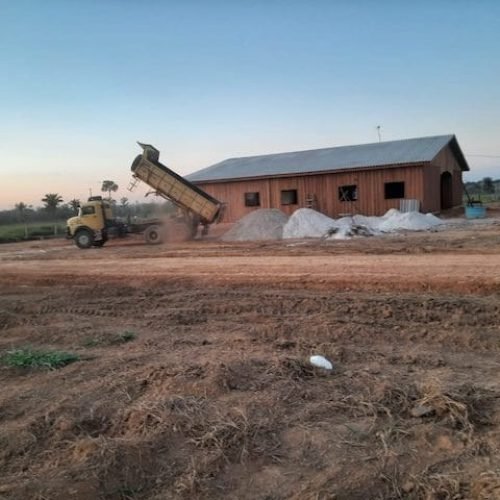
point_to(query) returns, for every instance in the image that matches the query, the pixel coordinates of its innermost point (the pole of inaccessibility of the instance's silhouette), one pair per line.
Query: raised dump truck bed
(200, 206)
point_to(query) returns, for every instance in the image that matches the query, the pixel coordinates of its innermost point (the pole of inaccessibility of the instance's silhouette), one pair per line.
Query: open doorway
(446, 190)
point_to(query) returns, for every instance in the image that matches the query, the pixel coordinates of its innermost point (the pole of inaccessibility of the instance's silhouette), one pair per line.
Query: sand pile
(307, 223)
(409, 221)
(273, 224)
(392, 221)
(262, 224)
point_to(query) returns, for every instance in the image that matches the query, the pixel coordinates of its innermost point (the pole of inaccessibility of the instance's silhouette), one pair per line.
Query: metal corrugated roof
(405, 151)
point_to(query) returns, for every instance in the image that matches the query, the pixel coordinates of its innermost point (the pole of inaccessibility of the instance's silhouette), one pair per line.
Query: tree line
(486, 186)
(55, 208)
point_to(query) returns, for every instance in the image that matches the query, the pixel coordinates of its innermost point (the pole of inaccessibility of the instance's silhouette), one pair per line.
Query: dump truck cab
(95, 224)
(90, 227)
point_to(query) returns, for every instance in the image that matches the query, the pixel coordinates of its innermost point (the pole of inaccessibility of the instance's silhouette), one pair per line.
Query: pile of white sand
(262, 224)
(408, 221)
(307, 223)
(273, 224)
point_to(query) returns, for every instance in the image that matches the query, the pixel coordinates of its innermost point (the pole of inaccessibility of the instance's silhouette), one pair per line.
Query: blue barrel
(475, 211)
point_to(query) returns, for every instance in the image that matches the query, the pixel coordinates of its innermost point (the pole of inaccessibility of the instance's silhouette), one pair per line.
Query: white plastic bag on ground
(320, 362)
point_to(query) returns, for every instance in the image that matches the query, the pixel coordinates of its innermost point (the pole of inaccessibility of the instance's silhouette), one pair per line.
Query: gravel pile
(409, 221)
(273, 224)
(262, 224)
(307, 223)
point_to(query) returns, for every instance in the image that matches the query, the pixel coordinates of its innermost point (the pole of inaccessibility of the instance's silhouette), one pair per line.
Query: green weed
(34, 358)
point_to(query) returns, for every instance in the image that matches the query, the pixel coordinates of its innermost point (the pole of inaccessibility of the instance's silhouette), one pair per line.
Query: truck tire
(153, 235)
(84, 239)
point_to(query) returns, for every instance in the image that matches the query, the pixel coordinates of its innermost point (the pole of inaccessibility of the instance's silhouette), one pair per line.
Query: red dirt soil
(215, 398)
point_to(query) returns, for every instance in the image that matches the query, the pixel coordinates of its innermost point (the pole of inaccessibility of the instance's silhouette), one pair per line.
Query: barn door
(446, 190)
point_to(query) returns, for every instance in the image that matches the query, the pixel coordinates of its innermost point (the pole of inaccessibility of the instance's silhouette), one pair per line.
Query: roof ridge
(450, 136)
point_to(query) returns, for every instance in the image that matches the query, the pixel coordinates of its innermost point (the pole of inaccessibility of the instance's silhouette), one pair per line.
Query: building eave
(310, 174)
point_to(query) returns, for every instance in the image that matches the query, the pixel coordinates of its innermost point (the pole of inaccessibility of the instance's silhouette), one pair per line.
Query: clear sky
(81, 81)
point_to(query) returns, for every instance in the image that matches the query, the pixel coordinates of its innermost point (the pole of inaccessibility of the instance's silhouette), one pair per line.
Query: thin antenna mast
(378, 132)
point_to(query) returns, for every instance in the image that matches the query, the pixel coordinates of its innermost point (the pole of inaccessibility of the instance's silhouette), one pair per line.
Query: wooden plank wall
(432, 189)
(445, 161)
(370, 184)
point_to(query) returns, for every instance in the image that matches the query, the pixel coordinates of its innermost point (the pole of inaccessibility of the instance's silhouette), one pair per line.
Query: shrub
(33, 358)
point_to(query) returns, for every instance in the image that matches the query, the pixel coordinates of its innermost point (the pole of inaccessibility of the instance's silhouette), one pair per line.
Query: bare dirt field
(213, 395)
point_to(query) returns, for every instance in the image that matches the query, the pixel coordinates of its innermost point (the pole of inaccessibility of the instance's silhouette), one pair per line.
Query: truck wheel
(153, 235)
(84, 239)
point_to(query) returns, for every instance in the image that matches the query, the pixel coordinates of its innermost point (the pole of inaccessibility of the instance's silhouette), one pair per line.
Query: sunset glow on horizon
(81, 82)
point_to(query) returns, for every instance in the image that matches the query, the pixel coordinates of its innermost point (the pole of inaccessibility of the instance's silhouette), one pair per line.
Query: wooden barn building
(366, 179)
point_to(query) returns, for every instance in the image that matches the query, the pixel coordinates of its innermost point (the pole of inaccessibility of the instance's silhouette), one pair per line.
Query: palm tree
(21, 208)
(108, 187)
(74, 204)
(52, 201)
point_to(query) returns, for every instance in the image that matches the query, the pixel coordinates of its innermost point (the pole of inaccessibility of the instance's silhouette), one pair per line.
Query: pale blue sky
(81, 81)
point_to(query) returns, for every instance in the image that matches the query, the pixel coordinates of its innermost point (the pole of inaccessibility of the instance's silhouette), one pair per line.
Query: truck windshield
(88, 210)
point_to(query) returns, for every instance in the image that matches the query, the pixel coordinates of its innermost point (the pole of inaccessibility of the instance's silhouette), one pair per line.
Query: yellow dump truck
(94, 223)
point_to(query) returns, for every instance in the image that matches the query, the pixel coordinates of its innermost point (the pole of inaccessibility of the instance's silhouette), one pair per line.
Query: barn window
(252, 199)
(348, 193)
(289, 197)
(394, 190)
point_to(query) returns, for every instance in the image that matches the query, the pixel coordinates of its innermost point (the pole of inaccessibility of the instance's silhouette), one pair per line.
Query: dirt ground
(215, 398)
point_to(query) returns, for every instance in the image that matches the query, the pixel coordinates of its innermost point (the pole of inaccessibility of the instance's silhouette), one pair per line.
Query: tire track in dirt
(459, 273)
(273, 313)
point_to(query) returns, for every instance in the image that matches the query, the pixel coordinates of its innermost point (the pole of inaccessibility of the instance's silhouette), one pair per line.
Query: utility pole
(378, 132)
